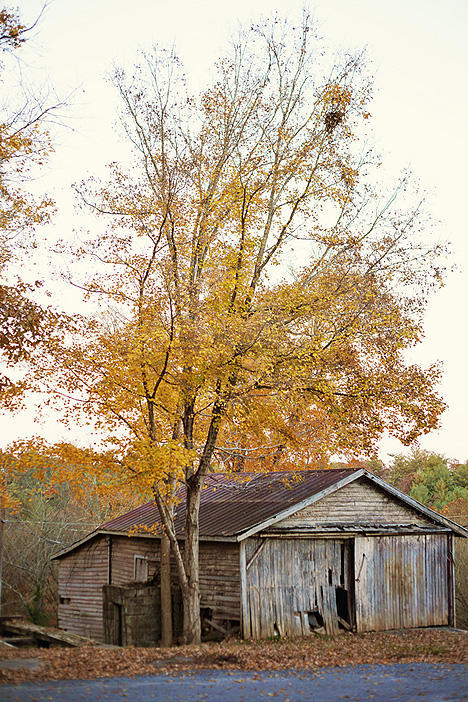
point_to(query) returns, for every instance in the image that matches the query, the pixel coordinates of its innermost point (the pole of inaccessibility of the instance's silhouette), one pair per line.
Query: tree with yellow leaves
(213, 352)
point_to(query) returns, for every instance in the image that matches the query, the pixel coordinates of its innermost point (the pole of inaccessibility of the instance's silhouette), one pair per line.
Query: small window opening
(65, 600)
(330, 576)
(140, 572)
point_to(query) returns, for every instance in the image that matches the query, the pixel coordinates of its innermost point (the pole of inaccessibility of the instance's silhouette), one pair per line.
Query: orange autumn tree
(25, 144)
(54, 497)
(213, 349)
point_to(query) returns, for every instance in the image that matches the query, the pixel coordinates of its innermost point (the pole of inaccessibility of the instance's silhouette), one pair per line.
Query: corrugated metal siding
(401, 582)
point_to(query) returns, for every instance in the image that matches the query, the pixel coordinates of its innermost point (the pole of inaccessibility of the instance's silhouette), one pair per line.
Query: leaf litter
(95, 661)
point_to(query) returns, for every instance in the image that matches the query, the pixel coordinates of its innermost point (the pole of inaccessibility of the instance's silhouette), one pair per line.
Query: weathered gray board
(374, 583)
(288, 581)
(402, 581)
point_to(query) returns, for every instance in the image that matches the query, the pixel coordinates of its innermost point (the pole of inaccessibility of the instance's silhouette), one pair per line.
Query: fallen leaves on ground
(94, 661)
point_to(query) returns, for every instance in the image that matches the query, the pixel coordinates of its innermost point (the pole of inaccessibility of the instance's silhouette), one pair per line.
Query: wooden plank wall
(124, 550)
(220, 579)
(359, 502)
(82, 574)
(401, 582)
(287, 579)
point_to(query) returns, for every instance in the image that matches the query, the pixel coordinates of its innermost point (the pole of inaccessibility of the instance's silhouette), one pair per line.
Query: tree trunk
(166, 598)
(191, 591)
(192, 621)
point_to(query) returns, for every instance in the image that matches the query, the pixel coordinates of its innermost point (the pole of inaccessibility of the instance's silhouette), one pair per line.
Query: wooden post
(245, 619)
(452, 620)
(2, 529)
(3, 477)
(109, 561)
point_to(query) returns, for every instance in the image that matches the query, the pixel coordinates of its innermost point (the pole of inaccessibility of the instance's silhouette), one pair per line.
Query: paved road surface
(418, 682)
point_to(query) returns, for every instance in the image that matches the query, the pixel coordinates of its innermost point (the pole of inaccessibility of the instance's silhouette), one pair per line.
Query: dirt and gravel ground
(93, 661)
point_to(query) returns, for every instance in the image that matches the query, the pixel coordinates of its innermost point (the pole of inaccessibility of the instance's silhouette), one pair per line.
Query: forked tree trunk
(166, 598)
(186, 561)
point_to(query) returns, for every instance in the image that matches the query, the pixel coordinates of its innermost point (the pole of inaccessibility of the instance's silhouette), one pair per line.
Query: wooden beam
(344, 623)
(451, 582)
(256, 554)
(109, 561)
(217, 627)
(41, 633)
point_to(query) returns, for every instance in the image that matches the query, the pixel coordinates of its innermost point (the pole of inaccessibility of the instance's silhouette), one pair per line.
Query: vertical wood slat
(245, 615)
(451, 580)
(287, 579)
(401, 582)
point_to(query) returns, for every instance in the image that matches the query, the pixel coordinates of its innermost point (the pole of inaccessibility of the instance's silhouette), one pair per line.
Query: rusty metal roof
(234, 506)
(233, 503)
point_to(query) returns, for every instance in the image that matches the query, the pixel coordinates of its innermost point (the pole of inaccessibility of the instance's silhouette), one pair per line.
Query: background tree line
(431, 479)
(48, 505)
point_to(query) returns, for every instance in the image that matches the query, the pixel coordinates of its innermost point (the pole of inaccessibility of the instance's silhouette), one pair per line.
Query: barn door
(295, 587)
(401, 582)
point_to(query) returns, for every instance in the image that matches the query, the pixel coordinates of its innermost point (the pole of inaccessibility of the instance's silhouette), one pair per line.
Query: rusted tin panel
(232, 503)
(401, 582)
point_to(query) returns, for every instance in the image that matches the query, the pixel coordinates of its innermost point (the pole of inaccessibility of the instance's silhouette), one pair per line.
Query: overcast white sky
(419, 55)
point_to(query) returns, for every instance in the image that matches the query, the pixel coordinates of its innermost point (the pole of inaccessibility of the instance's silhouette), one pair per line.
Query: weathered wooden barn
(283, 554)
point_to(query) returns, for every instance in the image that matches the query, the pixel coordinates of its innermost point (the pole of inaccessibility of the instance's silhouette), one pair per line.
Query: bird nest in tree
(332, 120)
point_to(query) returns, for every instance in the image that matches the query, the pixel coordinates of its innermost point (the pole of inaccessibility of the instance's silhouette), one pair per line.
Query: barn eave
(437, 519)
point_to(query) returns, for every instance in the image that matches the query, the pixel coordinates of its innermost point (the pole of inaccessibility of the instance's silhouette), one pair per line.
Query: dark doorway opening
(117, 638)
